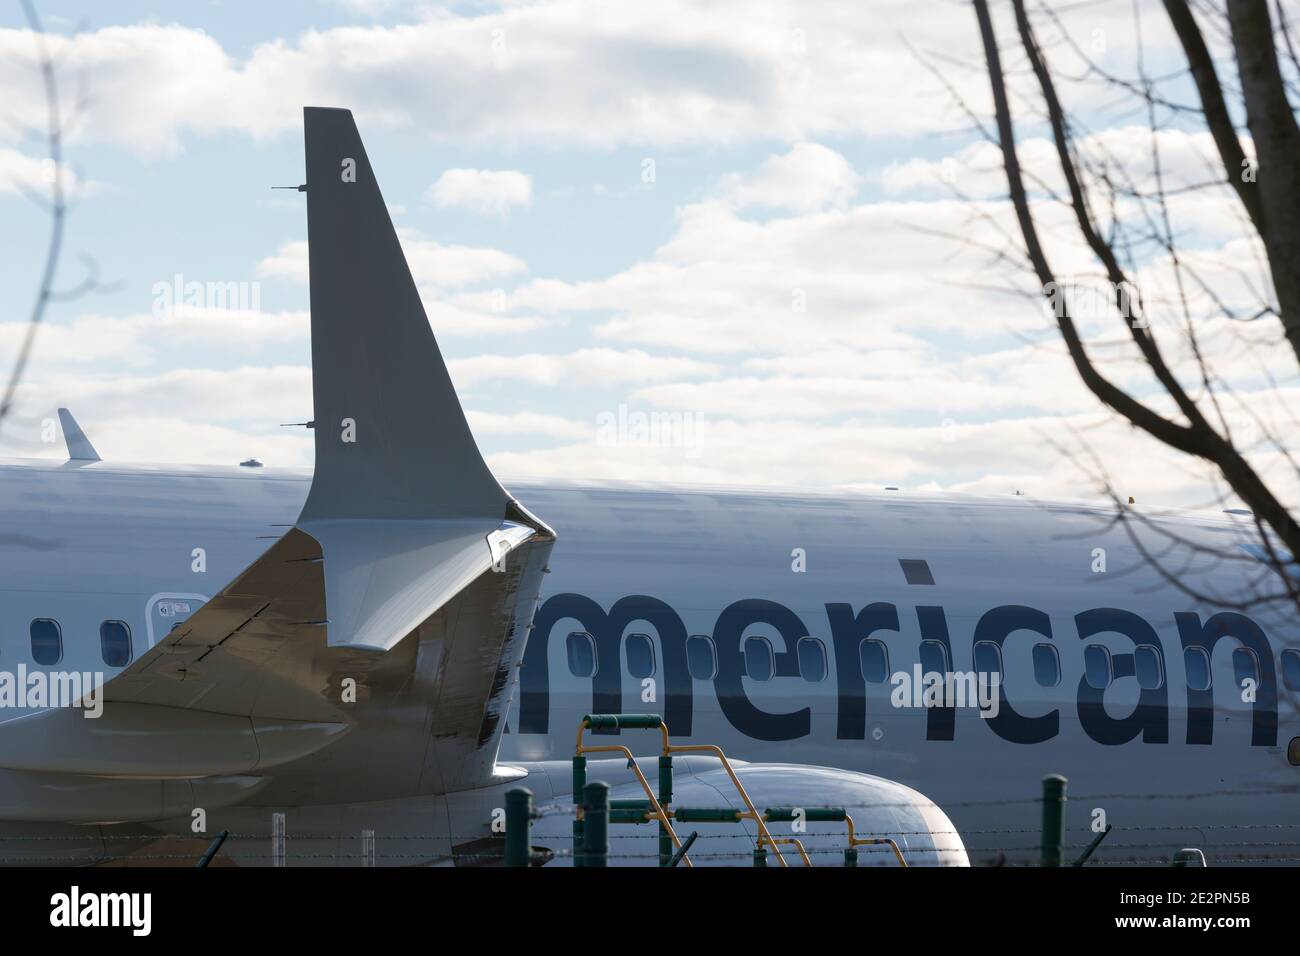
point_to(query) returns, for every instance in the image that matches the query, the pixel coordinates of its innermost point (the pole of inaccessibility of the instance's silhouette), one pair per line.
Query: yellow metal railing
(657, 806)
(764, 836)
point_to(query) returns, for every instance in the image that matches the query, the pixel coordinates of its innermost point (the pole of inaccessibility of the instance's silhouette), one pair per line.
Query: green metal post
(665, 798)
(617, 815)
(622, 721)
(810, 814)
(519, 825)
(1053, 819)
(707, 815)
(579, 781)
(851, 856)
(621, 804)
(595, 824)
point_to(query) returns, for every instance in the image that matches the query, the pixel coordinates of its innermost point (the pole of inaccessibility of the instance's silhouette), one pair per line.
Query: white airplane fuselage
(1168, 766)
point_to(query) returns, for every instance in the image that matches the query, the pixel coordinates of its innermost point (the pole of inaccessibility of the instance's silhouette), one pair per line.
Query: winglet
(402, 503)
(79, 446)
(391, 437)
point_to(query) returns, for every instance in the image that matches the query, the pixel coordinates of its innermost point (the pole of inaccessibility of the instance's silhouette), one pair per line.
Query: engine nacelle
(879, 808)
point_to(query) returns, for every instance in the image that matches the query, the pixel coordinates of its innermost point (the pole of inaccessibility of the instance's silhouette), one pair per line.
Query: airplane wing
(404, 530)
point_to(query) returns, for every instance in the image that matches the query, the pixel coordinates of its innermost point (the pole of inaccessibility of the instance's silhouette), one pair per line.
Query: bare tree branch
(1277, 149)
(57, 208)
(1196, 436)
(1213, 105)
(57, 205)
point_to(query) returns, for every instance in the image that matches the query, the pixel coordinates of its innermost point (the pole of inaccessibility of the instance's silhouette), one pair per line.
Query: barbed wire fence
(1258, 842)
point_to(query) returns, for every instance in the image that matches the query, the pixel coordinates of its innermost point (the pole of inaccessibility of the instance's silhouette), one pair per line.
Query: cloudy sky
(770, 222)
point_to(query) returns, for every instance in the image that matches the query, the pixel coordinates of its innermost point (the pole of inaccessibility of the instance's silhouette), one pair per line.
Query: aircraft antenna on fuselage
(79, 446)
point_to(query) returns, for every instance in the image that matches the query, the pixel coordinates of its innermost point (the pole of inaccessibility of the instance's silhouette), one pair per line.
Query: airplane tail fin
(79, 446)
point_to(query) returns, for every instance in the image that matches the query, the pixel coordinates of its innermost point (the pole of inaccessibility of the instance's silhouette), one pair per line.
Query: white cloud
(370, 8)
(153, 438)
(151, 83)
(671, 73)
(454, 266)
(432, 263)
(585, 368)
(873, 275)
(1040, 456)
(477, 314)
(288, 262)
(483, 191)
(192, 415)
(445, 275)
(1186, 158)
(808, 178)
(35, 176)
(674, 72)
(204, 416)
(528, 424)
(141, 339)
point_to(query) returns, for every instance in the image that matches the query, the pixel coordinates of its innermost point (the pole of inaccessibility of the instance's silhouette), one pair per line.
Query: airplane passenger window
(581, 650)
(115, 643)
(812, 659)
(934, 657)
(988, 658)
(1146, 661)
(47, 641)
(1097, 668)
(1197, 664)
(1047, 665)
(640, 656)
(701, 658)
(1245, 666)
(1291, 668)
(760, 664)
(873, 657)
